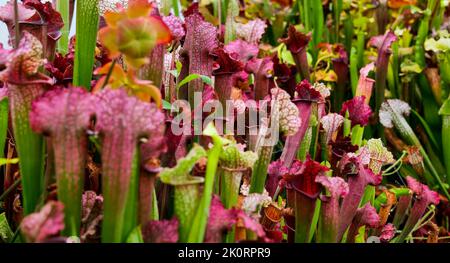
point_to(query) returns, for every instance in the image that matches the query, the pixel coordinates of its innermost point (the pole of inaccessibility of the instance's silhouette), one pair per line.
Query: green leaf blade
(86, 39)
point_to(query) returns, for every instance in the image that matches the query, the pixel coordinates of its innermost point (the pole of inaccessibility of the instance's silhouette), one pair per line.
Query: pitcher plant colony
(306, 121)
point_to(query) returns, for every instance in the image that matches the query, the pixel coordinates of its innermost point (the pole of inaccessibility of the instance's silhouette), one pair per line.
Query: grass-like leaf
(194, 76)
(86, 39)
(6, 233)
(3, 123)
(63, 8)
(230, 28)
(445, 112)
(4, 161)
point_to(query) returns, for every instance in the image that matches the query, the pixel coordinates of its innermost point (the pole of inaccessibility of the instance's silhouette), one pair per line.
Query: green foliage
(198, 230)
(3, 124)
(194, 76)
(63, 8)
(6, 233)
(86, 39)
